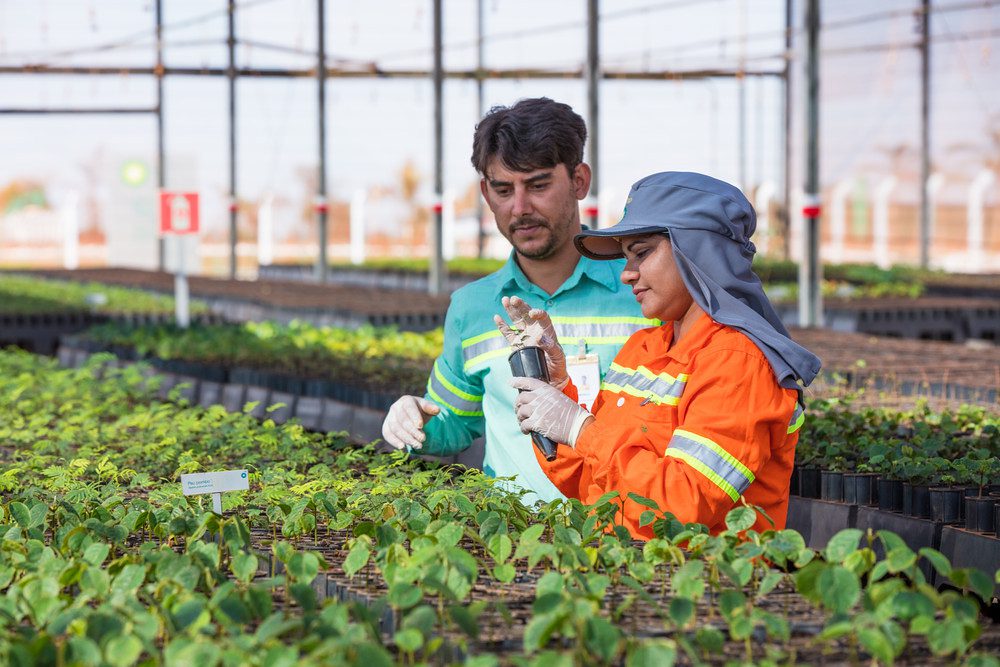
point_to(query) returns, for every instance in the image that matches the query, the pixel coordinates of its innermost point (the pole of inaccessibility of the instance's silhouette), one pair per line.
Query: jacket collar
(692, 341)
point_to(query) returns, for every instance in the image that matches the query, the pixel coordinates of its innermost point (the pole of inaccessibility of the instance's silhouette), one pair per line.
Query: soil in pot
(890, 495)
(809, 482)
(917, 500)
(979, 514)
(832, 486)
(945, 502)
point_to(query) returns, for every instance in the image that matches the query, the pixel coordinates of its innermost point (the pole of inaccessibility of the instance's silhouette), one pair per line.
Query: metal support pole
(786, 213)
(161, 248)
(593, 73)
(810, 269)
(436, 279)
(480, 103)
(925, 133)
(321, 206)
(231, 75)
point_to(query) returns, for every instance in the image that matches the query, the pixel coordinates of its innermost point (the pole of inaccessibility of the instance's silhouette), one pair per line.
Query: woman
(694, 414)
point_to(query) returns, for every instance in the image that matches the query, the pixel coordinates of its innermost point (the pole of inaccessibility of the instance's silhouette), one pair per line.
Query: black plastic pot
(980, 514)
(831, 486)
(793, 482)
(967, 492)
(809, 482)
(945, 502)
(890, 495)
(916, 500)
(860, 488)
(530, 362)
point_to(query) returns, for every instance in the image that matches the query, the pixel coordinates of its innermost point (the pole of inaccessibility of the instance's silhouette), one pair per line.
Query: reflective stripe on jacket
(694, 428)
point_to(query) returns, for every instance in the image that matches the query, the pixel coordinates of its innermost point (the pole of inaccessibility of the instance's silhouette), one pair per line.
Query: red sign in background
(178, 213)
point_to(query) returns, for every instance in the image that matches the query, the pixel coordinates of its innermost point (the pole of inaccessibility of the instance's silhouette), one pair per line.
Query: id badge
(585, 372)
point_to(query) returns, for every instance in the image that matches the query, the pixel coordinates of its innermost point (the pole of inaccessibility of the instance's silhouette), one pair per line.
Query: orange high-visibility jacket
(692, 427)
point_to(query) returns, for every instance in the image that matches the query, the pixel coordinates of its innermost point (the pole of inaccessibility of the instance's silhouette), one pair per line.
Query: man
(703, 410)
(530, 158)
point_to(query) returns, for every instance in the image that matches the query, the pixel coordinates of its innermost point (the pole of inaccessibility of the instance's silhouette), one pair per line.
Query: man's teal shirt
(471, 378)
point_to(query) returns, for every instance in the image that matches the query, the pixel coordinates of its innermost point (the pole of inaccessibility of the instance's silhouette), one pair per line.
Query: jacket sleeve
(460, 396)
(731, 412)
(570, 472)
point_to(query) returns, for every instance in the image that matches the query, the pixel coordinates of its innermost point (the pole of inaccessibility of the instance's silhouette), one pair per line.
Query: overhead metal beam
(378, 73)
(78, 110)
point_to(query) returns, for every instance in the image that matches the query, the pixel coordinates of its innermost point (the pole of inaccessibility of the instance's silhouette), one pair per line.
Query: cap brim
(601, 243)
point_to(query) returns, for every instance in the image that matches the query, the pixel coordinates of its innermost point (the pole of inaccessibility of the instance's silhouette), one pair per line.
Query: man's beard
(544, 251)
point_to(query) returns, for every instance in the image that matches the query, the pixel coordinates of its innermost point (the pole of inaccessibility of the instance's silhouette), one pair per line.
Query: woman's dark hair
(536, 133)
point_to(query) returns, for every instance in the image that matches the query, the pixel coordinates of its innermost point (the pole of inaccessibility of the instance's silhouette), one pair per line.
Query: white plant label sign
(215, 483)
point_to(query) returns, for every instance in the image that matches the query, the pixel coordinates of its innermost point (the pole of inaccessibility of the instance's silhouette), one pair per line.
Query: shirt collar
(601, 272)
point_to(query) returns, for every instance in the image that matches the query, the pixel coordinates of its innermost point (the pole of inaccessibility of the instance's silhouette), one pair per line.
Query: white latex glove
(544, 409)
(532, 327)
(404, 424)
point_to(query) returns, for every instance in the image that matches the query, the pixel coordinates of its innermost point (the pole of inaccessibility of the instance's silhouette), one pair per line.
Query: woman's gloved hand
(542, 408)
(533, 327)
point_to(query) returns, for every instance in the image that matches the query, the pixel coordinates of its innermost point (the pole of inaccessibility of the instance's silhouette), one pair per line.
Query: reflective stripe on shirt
(570, 330)
(453, 398)
(641, 382)
(798, 418)
(712, 461)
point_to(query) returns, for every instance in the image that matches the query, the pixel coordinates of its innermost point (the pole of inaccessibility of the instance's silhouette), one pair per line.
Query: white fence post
(974, 216)
(71, 231)
(880, 223)
(265, 231)
(357, 226)
(762, 203)
(838, 219)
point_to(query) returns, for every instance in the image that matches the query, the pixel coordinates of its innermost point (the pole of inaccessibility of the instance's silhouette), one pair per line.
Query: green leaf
(937, 559)
(304, 594)
(504, 573)
(123, 651)
(653, 653)
(532, 533)
(769, 582)
(841, 588)
(877, 644)
(20, 513)
(96, 553)
(281, 656)
(900, 559)
(303, 566)
(357, 558)
(244, 566)
(841, 545)
(540, 629)
(450, 534)
(501, 547)
(740, 519)
(946, 636)
(129, 579)
(190, 615)
(681, 611)
(404, 595)
(908, 604)
(467, 618)
(981, 585)
(647, 517)
(710, 639)
(602, 638)
(645, 502)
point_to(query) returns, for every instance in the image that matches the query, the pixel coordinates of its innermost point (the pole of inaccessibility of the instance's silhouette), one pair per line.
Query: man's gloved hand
(547, 411)
(533, 327)
(404, 424)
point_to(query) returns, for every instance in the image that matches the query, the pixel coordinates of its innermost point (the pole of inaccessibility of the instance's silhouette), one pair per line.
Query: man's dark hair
(535, 133)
